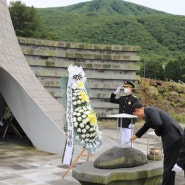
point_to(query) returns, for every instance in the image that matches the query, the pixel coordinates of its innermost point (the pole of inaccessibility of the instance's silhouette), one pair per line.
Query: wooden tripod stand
(89, 156)
(10, 124)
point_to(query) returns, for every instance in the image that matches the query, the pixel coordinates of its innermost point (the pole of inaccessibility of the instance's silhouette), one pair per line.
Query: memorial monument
(36, 111)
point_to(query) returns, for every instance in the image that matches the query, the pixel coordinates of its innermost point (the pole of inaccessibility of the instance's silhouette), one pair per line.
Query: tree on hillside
(175, 69)
(25, 19)
(27, 22)
(153, 69)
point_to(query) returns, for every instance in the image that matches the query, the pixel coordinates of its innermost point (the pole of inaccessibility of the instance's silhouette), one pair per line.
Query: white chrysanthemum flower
(74, 103)
(87, 127)
(94, 134)
(76, 124)
(92, 129)
(74, 113)
(83, 130)
(87, 139)
(79, 102)
(79, 119)
(74, 119)
(73, 98)
(87, 135)
(84, 121)
(81, 125)
(79, 130)
(78, 114)
(77, 109)
(84, 116)
(86, 112)
(83, 135)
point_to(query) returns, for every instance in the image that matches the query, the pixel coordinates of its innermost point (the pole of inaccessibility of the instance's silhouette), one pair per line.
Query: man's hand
(176, 168)
(117, 90)
(133, 137)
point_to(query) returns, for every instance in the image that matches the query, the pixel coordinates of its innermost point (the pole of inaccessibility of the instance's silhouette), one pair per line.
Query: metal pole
(132, 130)
(144, 68)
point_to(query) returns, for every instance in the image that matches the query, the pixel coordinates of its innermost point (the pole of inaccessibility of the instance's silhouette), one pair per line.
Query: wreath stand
(14, 128)
(89, 156)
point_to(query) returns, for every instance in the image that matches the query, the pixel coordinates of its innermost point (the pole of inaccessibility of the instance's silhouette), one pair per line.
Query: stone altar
(148, 174)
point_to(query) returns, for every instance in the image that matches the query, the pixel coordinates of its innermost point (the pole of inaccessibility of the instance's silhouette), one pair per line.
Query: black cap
(128, 84)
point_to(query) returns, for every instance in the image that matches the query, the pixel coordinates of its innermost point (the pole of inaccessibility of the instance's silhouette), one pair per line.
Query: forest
(160, 35)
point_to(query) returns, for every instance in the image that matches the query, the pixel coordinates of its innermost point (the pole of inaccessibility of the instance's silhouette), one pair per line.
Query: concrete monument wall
(37, 112)
(106, 67)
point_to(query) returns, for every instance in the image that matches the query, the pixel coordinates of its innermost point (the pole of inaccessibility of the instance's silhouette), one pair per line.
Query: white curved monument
(36, 111)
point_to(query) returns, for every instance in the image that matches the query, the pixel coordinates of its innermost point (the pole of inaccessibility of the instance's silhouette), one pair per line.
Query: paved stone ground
(22, 164)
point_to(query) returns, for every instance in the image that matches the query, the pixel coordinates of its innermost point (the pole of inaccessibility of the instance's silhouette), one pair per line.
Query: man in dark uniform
(170, 132)
(125, 106)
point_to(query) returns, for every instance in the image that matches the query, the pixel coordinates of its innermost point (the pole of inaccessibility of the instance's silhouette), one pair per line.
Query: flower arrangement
(84, 118)
(85, 124)
(80, 98)
(81, 121)
(8, 114)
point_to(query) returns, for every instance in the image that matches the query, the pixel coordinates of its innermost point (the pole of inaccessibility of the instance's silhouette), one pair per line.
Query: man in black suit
(125, 106)
(170, 132)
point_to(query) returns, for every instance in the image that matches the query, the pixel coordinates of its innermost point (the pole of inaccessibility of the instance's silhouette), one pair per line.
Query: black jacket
(164, 126)
(125, 106)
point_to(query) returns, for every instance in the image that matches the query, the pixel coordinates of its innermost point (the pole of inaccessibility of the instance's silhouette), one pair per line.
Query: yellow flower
(80, 85)
(84, 97)
(92, 118)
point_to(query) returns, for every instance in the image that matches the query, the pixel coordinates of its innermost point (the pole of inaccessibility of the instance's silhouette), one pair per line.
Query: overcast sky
(176, 7)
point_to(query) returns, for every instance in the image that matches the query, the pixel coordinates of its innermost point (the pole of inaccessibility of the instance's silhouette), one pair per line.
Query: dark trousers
(170, 159)
(181, 158)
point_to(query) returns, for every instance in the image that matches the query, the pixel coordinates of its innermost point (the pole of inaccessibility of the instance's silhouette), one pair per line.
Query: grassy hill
(168, 96)
(109, 7)
(160, 35)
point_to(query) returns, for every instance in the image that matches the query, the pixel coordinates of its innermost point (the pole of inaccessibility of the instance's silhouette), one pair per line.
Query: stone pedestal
(147, 174)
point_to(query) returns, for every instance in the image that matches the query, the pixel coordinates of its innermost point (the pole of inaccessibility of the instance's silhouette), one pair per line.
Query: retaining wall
(106, 67)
